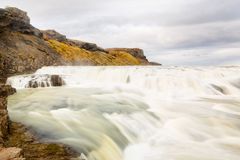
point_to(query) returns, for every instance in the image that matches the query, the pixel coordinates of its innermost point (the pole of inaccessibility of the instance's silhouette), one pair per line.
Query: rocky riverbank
(20, 143)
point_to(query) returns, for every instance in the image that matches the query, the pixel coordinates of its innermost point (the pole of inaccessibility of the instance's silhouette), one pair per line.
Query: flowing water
(135, 113)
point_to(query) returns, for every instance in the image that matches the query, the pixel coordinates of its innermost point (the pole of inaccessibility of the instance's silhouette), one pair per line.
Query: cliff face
(5, 91)
(24, 48)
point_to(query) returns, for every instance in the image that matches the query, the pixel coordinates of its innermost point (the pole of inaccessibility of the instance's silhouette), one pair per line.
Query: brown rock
(86, 45)
(21, 137)
(18, 14)
(12, 153)
(56, 81)
(16, 20)
(155, 64)
(136, 52)
(52, 34)
(5, 91)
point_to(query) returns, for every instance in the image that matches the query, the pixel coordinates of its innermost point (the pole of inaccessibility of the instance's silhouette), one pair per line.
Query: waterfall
(175, 81)
(134, 113)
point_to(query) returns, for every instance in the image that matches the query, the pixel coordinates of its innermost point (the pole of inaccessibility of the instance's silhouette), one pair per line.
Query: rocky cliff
(5, 91)
(24, 48)
(11, 152)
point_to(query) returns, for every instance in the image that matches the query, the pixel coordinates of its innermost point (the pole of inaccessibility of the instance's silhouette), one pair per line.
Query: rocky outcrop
(5, 91)
(53, 35)
(24, 48)
(32, 149)
(86, 45)
(136, 52)
(22, 53)
(11, 153)
(15, 19)
(38, 81)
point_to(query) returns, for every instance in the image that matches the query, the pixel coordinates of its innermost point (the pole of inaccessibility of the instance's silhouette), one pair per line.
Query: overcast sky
(172, 32)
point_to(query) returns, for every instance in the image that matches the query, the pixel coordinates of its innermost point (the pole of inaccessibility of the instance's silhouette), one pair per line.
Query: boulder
(14, 19)
(52, 34)
(18, 15)
(56, 81)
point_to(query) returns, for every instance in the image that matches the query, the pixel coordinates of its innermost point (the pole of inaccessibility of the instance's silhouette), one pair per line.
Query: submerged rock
(37, 81)
(56, 80)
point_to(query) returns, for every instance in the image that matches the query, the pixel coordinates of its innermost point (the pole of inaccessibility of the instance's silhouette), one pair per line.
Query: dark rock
(85, 45)
(56, 81)
(45, 81)
(52, 34)
(18, 14)
(136, 52)
(155, 64)
(5, 91)
(14, 19)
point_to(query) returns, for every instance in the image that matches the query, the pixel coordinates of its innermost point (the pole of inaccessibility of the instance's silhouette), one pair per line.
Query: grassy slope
(85, 57)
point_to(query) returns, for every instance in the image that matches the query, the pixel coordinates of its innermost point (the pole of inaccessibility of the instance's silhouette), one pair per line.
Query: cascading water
(135, 113)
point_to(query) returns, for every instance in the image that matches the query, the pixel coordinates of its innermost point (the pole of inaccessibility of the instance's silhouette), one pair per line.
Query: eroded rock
(136, 52)
(52, 34)
(32, 149)
(11, 153)
(5, 91)
(17, 20)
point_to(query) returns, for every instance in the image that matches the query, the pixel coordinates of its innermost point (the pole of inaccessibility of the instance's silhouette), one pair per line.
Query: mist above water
(135, 113)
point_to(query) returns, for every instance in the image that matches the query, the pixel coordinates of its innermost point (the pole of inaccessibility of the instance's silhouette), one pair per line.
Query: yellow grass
(82, 56)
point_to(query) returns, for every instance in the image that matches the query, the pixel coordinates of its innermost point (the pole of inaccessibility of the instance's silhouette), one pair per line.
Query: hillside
(24, 48)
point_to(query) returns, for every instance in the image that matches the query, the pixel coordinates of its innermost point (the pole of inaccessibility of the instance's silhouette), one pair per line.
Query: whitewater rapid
(135, 113)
